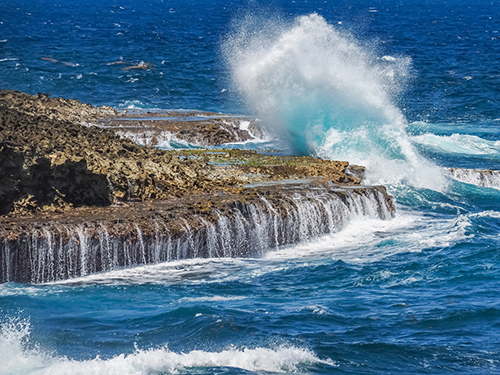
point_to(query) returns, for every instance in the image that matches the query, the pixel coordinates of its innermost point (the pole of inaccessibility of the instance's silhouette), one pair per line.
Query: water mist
(324, 93)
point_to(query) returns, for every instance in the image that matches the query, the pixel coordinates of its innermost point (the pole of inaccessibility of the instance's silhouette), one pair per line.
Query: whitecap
(212, 299)
(133, 104)
(20, 355)
(458, 143)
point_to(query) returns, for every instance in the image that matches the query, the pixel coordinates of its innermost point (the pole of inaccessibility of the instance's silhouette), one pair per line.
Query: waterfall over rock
(260, 219)
(485, 178)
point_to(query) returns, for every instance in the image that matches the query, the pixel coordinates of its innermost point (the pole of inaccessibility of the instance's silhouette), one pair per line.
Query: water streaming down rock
(167, 129)
(485, 178)
(244, 225)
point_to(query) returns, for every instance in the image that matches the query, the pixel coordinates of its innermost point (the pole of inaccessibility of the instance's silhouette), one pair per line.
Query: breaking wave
(459, 144)
(20, 355)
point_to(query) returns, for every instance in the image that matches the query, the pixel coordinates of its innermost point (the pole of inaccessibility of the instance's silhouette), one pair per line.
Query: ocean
(411, 90)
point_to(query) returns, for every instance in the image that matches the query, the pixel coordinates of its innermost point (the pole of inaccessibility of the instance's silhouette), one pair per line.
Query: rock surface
(49, 164)
(77, 199)
(54, 108)
(52, 164)
(197, 128)
(149, 128)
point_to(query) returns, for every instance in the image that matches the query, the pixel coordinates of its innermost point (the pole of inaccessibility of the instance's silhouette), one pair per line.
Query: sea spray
(326, 94)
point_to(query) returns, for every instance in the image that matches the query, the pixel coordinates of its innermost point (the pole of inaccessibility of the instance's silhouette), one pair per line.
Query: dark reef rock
(150, 128)
(46, 162)
(52, 164)
(53, 108)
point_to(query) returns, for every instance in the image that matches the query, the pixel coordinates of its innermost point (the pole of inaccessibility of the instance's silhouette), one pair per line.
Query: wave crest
(19, 356)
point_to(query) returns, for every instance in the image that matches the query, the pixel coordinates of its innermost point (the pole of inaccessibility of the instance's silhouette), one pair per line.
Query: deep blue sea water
(406, 88)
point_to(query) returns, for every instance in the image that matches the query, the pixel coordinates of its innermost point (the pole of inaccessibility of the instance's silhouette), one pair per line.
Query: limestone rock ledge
(77, 199)
(86, 240)
(161, 129)
(152, 128)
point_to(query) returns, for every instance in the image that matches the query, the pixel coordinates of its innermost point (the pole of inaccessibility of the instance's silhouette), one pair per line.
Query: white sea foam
(197, 270)
(162, 139)
(133, 104)
(244, 125)
(357, 242)
(363, 240)
(212, 299)
(20, 356)
(328, 95)
(11, 289)
(459, 144)
(489, 213)
(388, 58)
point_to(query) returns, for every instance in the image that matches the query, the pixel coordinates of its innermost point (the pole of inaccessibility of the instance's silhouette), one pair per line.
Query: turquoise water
(406, 89)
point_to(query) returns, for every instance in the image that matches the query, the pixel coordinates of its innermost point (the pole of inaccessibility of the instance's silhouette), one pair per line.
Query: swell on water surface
(315, 85)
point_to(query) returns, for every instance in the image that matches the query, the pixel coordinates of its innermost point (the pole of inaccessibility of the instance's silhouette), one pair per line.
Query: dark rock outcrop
(54, 108)
(50, 163)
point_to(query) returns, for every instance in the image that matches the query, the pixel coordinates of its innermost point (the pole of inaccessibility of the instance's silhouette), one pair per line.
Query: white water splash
(328, 95)
(19, 358)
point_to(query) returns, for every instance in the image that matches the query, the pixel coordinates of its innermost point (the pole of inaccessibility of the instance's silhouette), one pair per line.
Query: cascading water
(485, 178)
(329, 95)
(56, 251)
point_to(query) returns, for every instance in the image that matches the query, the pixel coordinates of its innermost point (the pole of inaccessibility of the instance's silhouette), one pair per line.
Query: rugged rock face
(151, 128)
(77, 199)
(53, 164)
(53, 108)
(251, 167)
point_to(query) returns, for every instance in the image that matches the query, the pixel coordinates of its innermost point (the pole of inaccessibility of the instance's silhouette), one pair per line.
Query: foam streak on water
(328, 94)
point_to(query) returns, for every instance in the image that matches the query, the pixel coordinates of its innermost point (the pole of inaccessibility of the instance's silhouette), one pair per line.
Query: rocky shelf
(189, 127)
(77, 199)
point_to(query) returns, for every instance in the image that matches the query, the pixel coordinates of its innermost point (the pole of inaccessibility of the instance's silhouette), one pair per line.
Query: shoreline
(72, 194)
